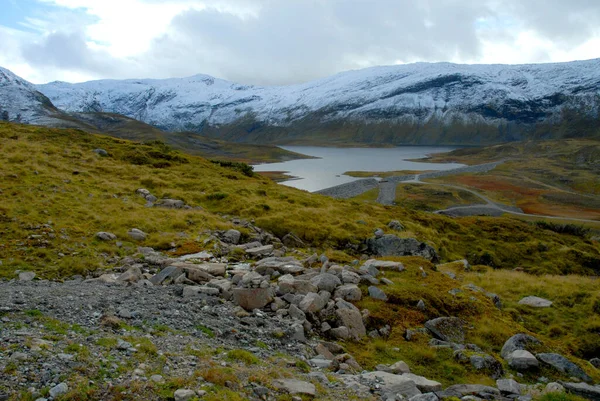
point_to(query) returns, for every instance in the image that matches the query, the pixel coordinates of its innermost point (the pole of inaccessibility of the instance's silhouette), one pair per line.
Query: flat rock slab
(384, 264)
(214, 269)
(252, 298)
(522, 360)
(260, 251)
(293, 386)
(508, 386)
(168, 272)
(447, 329)
(391, 383)
(423, 383)
(535, 302)
(584, 390)
(563, 365)
(472, 389)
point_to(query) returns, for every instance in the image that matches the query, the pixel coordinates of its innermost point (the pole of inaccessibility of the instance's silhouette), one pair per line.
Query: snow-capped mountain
(21, 101)
(379, 101)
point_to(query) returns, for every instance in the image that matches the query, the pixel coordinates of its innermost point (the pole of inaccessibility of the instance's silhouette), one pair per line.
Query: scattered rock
(137, 235)
(292, 386)
(518, 342)
(348, 292)
(395, 225)
(100, 152)
(384, 265)
(508, 386)
(521, 360)
(132, 275)
(232, 237)
(583, 390)
(399, 368)
(26, 276)
(58, 390)
(184, 395)
(312, 302)
(292, 241)
(260, 251)
(390, 245)
(535, 302)
(563, 365)
(553, 388)
(170, 203)
(252, 298)
(447, 329)
(393, 384)
(105, 236)
(377, 293)
(352, 320)
(326, 282)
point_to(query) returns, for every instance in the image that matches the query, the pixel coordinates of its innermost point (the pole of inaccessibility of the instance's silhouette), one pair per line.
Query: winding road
(387, 193)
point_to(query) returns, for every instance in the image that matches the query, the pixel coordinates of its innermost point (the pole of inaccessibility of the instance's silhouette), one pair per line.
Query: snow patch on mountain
(401, 93)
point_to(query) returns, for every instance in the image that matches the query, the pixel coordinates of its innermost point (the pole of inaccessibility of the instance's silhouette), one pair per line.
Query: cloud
(287, 41)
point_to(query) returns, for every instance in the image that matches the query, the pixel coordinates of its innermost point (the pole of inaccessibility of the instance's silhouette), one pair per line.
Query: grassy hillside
(57, 193)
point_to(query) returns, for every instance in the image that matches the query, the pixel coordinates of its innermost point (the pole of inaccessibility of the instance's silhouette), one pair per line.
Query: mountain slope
(21, 101)
(414, 103)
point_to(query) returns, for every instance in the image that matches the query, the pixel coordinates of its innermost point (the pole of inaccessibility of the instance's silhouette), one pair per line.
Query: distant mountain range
(420, 103)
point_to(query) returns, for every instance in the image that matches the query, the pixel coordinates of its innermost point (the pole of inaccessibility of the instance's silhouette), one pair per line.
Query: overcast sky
(283, 41)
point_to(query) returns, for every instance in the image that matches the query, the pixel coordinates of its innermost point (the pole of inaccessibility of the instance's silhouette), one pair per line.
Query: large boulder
(450, 329)
(352, 319)
(293, 386)
(522, 360)
(563, 365)
(584, 390)
(133, 275)
(137, 234)
(232, 237)
(518, 342)
(348, 292)
(377, 293)
(290, 285)
(326, 282)
(508, 386)
(535, 302)
(393, 384)
(313, 302)
(252, 298)
(390, 245)
(423, 384)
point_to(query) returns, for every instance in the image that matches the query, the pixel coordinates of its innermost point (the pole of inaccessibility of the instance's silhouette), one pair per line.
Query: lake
(327, 171)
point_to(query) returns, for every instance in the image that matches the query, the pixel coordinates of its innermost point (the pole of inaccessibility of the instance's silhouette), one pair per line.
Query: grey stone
(341, 332)
(377, 293)
(296, 332)
(59, 389)
(260, 251)
(100, 152)
(563, 365)
(348, 292)
(293, 386)
(447, 328)
(26, 276)
(326, 282)
(521, 360)
(296, 313)
(170, 203)
(508, 386)
(232, 237)
(393, 384)
(292, 241)
(399, 367)
(421, 305)
(472, 389)
(252, 298)
(137, 234)
(288, 284)
(157, 379)
(535, 302)
(349, 277)
(424, 397)
(284, 265)
(595, 362)
(194, 291)
(553, 388)
(352, 319)
(132, 275)
(516, 342)
(105, 236)
(384, 265)
(584, 390)
(391, 245)
(184, 394)
(423, 384)
(312, 302)
(171, 272)
(320, 363)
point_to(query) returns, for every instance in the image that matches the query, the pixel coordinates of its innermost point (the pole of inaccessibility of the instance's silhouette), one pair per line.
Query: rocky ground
(201, 327)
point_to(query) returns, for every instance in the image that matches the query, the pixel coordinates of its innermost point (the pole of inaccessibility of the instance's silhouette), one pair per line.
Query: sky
(278, 42)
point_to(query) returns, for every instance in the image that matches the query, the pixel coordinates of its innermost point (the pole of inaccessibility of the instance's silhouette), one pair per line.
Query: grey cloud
(296, 40)
(69, 51)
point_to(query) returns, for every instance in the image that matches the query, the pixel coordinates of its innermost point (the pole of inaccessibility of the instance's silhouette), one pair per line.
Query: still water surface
(327, 171)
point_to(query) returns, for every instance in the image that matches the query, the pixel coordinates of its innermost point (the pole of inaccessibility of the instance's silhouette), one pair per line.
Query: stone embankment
(350, 189)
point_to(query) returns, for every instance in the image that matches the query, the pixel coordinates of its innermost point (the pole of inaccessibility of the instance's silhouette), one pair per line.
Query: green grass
(243, 356)
(46, 171)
